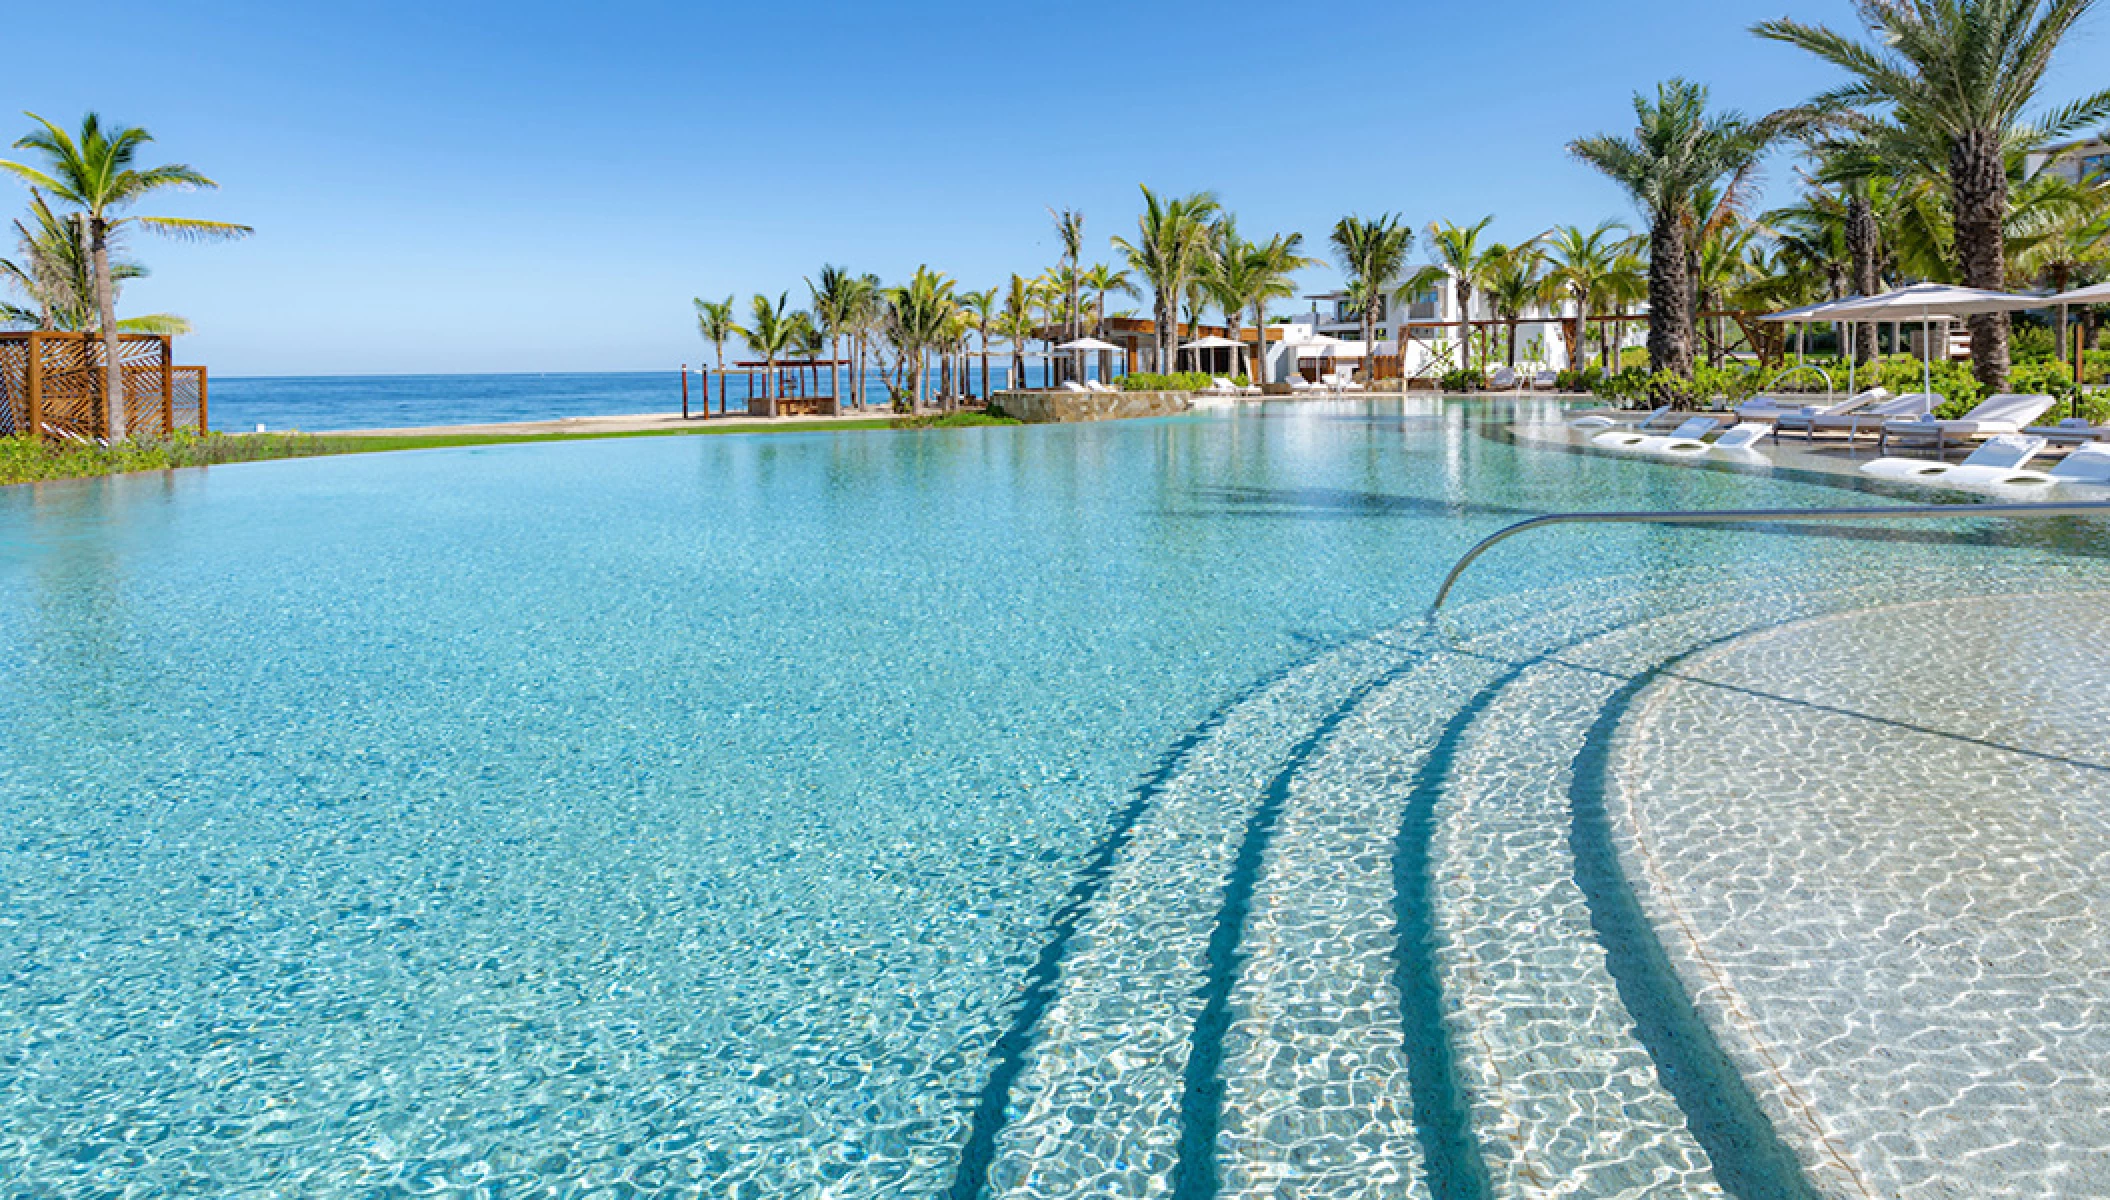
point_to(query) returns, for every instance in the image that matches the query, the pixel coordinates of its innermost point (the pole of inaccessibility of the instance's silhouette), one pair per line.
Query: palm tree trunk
(1465, 322)
(1978, 183)
(1512, 344)
(106, 302)
(1863, 239)
(1669, 298)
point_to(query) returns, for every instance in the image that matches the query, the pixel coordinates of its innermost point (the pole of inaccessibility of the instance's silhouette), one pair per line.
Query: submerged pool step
(1566, 1099)
(1317, 1074)
(1097, 1109)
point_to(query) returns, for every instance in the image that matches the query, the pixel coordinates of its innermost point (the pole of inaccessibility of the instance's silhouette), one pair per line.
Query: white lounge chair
(1547, 380)
(1502, 379)
(1772, 408)
(1999, 459)
(1685, 437)
(1299, 384)
(1103, 388)
(1743, 437)
(2086, 465)
(2007, 412)
(1606, 421)
(2071, 431)
(1071, 385)
(1855, 422)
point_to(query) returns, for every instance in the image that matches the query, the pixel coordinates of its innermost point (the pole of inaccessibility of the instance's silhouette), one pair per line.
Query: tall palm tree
(2072, 244)
(1172, 245)
(769, 333)
(714, 320)
(1517, 280)
(1371, 253)
(1069, 229)
(1018, 325)
(919, 317)
(833, 298)
(95, 173)
(982, 306)
(1461, 261)
(1960, 74)
(1104, 281)
(55, 273)
(1276, 262)
(1678, 150)
(1578, 261)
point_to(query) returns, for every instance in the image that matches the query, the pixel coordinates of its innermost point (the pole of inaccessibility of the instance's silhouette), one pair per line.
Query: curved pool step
(1323, 1096)
(1097, 1107)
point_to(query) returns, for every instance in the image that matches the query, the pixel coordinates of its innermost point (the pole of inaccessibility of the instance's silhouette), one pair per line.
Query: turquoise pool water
(1049, 811)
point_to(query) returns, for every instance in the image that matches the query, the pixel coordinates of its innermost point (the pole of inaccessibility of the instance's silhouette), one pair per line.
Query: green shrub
(2030, 343)
(1152, 381)
(1461, 380)
(958, 420)
(1633, 356)
(1733, 384)
(1582, 379)
(2045, 378)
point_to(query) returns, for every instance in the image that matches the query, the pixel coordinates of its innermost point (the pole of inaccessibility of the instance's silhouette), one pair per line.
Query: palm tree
(1677, 152)
(770, 331)
(918, 319)
(1018, 325)
(1372, 253)
(1516, 281)
(2073, 243)
(56, 274)
(833, 301)
(1069, 229)
(1461, 261)
(1172, 245)
(1578, 262)
(714, 320)
(95, 174)
(982, 307)
(1959, 74)
(1276, 262)
(1103, 281)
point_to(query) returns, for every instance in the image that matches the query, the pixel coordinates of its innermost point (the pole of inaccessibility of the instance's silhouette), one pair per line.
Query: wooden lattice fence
(51, 384)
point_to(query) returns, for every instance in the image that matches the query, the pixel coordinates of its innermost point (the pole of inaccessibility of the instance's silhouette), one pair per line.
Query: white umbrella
(1928, 301)
(1803, 316)
(1083, 346)
(1212, 342)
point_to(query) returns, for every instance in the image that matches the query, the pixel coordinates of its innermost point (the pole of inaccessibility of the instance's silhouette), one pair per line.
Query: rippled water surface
(1043, 811)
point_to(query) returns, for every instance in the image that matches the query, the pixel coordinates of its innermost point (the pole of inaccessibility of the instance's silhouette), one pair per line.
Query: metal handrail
(1830, 389)
(1746, 516)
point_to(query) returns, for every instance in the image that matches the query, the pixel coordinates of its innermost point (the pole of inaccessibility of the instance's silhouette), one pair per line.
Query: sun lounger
(2007, 412)
(1071, 385)
(1548, 380)
(1772, 408)
(1298, 383)
(1604, 421)
(1856, 422)
(2087, 464)
(1999, 459)
(1684, 437)
(2071, 431)
(1502, 379)
(1104, 389)
(1743, 437)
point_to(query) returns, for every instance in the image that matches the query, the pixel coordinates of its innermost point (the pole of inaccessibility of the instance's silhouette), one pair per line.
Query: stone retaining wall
(1038, 408)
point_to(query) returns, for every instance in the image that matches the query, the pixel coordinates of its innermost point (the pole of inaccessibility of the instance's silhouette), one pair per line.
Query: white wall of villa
(1540, 345)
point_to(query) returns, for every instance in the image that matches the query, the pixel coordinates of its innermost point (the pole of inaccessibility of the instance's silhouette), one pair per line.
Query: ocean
(328, 402)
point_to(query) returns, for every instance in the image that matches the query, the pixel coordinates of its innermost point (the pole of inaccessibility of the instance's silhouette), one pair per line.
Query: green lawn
(25, 460)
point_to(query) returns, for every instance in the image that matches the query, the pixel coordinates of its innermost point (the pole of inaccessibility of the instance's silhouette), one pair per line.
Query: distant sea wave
(318, 403)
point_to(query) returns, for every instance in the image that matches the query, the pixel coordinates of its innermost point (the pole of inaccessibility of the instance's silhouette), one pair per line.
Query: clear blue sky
(543, 186)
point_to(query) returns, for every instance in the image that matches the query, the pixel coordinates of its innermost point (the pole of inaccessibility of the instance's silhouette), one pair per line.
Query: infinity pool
(1047, 812)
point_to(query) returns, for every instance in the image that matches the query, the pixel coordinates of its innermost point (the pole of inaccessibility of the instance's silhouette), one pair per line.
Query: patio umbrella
(1928, 301)
(1803, 316)
(1083, 346)
(1213, 342)
(2097, 294)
